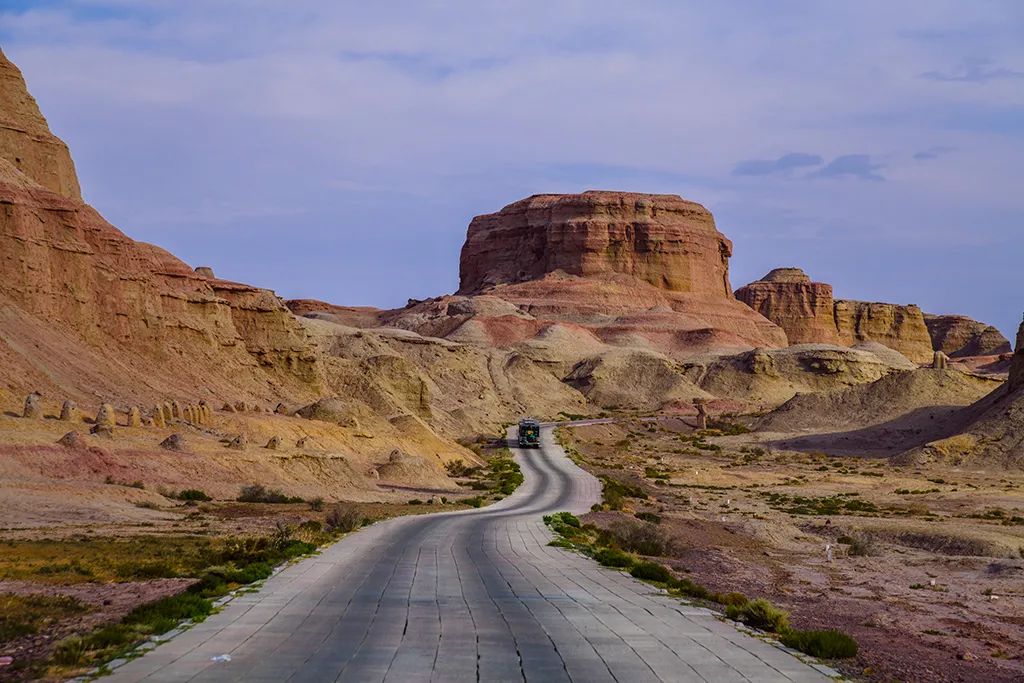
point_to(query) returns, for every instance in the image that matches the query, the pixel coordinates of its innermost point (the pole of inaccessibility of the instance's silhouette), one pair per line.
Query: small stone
(69, 412)
(239, 443)
(228, 408)
(175, 442)
(966, 656)
(33, 407)
(302, 442)
(106, 416)
(104, 431)
(134, 417)
(205, 271)
(72, 440)
(275, 443)
(240, 406)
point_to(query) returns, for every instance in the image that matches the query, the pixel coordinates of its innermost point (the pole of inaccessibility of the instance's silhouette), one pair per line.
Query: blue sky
(337, 150)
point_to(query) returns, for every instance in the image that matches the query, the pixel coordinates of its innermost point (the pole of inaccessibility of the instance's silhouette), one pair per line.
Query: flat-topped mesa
(660, 239)
(788, 297)
(25, 138)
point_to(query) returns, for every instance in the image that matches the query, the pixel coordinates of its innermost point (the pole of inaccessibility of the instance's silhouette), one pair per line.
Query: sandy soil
(939, 596)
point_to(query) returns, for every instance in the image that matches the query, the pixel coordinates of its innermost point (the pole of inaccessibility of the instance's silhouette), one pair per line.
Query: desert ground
(922, 565)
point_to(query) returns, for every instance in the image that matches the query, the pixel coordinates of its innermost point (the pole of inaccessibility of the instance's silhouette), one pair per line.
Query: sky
(338, 150)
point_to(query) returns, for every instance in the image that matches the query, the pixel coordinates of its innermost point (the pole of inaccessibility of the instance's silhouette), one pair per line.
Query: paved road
(464, 596)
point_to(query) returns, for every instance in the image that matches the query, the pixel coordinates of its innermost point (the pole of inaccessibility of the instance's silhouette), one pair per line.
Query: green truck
(529, 433)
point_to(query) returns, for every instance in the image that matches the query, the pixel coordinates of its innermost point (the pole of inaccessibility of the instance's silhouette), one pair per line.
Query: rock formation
(72, 440)
(105, 431)
(664, 240)
(274, 443)
(158, 417)
(940, 361)
(1016, 380)
(33, 407)
(958, 336)
(134, 417)
(804, 309)
(25, 137)
(174, 442)
(69, 412)
(106, 417)
(239, 443)
(899, 327)
(807, 312)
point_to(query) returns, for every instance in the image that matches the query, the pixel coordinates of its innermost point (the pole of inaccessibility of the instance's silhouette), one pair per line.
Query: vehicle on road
(529, 433)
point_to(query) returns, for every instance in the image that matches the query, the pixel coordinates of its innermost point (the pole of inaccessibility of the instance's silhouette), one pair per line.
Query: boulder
(958, 336)
(69, 412)
(72, 440)
(229, 408)
(106, 417)
(205, 271)
(105, 431)
(239, 443)
(788, 297)
(33, 407)
(174, 442)
(274, 443)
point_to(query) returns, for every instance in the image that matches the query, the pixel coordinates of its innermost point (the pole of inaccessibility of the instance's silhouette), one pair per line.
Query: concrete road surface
(465, 596)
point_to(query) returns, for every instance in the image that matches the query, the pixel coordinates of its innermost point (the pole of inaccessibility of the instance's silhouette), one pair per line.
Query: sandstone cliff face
(664, 240)
(899, 327)
(958, 336)
(788, 297)
(25, 138)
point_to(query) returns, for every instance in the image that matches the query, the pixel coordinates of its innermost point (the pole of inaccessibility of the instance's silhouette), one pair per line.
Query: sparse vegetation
(343, 518)
(760, 614)
(25, 615)
(830, 644)
(193, 495)
(258, 493)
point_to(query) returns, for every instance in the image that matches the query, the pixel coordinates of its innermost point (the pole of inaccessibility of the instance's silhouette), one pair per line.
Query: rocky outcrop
(65, 271)
(1016, 380)
(959, 336)
(899, 327)
(788, 297)
(664, 240)
(25, 138)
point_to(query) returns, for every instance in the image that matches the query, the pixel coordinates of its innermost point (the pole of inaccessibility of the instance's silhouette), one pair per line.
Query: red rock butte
(660, 239)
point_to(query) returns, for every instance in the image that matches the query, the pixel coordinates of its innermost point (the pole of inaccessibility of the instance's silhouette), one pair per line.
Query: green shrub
(651, 571)
(613, 557)
(731, 599)
(415, 501)
(474, 502)
(691, 589)
(825, 644)
(316, 504)
(343, 518)
(193, 494)
(258, 493)
(642, 538)
(760, 614)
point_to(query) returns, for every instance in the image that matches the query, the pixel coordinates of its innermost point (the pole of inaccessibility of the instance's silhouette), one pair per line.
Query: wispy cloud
(974, 71)
(933, 152)
(851, 166)
(785, 164)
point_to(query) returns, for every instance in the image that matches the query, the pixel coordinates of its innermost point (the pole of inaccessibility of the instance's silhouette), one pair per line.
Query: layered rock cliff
(808, 313)
(959, 336)
(899, 327)
(634, 270)
(1016, 380)
(788, 297)
(663, 240)
(25, 138)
